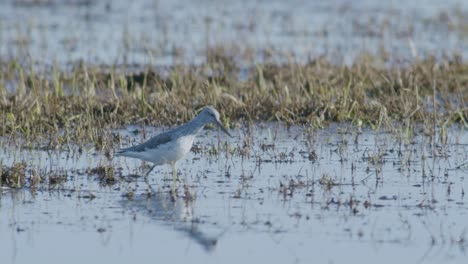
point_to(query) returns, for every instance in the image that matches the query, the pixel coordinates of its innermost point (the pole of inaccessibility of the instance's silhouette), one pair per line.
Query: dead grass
(83, 105)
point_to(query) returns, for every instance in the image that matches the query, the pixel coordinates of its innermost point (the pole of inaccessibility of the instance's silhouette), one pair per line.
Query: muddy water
(168, 32)
(280, 195)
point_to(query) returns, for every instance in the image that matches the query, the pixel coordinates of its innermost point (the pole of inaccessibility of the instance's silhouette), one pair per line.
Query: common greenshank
(172, 145)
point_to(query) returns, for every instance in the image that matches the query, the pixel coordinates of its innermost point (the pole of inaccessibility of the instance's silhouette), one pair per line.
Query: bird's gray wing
(150, 144)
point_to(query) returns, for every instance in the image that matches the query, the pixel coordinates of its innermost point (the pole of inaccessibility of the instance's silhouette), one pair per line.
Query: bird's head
(210, 115)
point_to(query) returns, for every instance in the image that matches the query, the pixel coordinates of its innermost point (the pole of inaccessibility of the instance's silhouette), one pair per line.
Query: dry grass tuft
(83, 105)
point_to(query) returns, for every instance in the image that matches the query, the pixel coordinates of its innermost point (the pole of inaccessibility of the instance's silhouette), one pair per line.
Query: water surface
(278, 195)
(165, 33)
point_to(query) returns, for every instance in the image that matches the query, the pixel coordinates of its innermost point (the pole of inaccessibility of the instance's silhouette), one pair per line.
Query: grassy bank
(83, 104)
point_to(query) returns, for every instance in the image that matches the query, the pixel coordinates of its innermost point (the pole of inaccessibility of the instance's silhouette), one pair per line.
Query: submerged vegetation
(82, 105)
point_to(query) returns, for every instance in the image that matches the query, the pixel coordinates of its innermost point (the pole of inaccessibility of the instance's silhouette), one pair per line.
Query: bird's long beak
(222, 128)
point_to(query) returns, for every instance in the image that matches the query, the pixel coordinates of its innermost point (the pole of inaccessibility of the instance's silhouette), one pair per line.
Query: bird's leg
(150, 189)
(174, 181)
(174, 171)
(148, 172)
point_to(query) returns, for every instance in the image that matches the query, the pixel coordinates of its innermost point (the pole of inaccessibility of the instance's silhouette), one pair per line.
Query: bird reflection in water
(175, 212)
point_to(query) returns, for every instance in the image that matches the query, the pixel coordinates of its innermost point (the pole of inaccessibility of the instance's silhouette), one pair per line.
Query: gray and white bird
(173, 145)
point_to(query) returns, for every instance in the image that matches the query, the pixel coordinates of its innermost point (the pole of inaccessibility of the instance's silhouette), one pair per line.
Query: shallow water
(165, 33)
(287, 196)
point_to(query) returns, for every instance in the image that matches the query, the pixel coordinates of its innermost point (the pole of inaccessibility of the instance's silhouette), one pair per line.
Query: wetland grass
(53, 108)
(22, 175)
(14, 176)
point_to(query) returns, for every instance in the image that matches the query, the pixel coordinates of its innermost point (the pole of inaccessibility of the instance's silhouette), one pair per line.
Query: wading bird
(173, 145)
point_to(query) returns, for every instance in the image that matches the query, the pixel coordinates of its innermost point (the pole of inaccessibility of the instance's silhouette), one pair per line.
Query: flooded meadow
(164, 33)
(276, 193)
(349, 125)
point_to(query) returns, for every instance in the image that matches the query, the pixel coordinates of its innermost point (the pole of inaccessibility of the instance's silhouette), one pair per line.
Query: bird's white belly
(171, 151)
